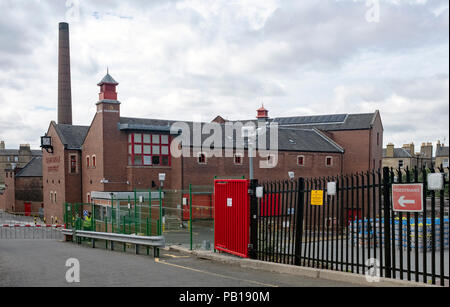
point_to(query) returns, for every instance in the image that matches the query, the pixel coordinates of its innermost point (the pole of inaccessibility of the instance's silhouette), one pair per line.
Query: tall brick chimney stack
(64, 83)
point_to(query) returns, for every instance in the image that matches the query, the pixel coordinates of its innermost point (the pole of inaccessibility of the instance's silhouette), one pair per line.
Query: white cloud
(182, 59)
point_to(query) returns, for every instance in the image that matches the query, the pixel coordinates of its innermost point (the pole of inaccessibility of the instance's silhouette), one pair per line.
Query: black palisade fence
(356, 228)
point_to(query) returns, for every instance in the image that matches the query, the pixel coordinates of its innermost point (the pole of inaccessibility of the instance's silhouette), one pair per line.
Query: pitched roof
(107, 79)
(12, 152)
(32, 169)
(289, 139)
(71, 136)
(442, 151)
(398, 153)
(333, 122)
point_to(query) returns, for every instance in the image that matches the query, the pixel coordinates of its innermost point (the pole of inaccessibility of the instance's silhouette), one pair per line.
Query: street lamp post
(249, 133)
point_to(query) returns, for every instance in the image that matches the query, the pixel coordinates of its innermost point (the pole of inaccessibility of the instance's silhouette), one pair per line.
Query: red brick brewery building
(118, 154)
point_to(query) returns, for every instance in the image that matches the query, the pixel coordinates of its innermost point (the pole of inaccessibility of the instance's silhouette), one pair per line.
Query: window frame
(70, 164)
(241, 159)
(331, 161)
(445, 162)
(88, 161)
(199, 156)
(303, 160)
(153, 144)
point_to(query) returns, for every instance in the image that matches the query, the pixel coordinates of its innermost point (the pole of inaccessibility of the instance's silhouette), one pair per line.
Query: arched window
(88, 161)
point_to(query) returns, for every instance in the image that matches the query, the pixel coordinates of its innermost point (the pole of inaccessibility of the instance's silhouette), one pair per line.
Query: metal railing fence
(357, 227)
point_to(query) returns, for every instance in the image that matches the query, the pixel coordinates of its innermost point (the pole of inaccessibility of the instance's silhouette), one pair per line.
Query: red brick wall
(376, 153)
(109, 145)
(93, 145)
(356, 144)
(7, 199)
(57, 178)
(20, 207)
(287, 162)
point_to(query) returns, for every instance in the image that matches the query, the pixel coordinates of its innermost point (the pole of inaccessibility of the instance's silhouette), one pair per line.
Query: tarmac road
(42, 263)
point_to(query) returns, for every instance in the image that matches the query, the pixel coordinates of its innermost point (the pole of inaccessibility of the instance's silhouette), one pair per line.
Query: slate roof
(442, 151)
(71, 136)
(32, 169)
(398, 153)
(289, 139)
(15, 152)
(108, 80)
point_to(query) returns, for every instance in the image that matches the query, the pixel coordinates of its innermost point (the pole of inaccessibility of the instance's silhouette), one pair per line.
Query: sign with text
(407, 197)
(317, 198)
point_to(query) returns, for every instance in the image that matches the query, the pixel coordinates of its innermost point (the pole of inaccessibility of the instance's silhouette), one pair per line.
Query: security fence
(184, 217)
(30, 232)
(21, 218)
(355, 229)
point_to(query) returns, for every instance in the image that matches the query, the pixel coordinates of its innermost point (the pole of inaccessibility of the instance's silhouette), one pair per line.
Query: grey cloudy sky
(195, 59)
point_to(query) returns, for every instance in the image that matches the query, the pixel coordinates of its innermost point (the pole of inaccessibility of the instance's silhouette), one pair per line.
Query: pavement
(41, 263)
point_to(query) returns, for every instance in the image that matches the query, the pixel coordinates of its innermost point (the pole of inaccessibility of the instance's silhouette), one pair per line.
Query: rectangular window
(238, 159)
(148, 149)
(147, 160)
(73, 164)
(137, 138)
(164, 139)
(301, 161)
(400, 163)
(201, 158)
(329, 161)
(445, 163)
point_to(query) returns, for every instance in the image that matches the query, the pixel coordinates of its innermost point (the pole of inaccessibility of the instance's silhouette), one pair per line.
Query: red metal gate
(232, 217)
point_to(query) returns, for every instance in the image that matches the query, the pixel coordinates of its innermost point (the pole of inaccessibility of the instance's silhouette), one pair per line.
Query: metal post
(253, 220)
(112, 213)
(190, 214)
(299, 220)
(150, 209)
(147, 234)
(387, 221)
(250, 158)
(135, 212)
(160, 211)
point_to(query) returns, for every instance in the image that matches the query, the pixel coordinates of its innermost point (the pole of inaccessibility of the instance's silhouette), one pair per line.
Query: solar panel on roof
(308, 120)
